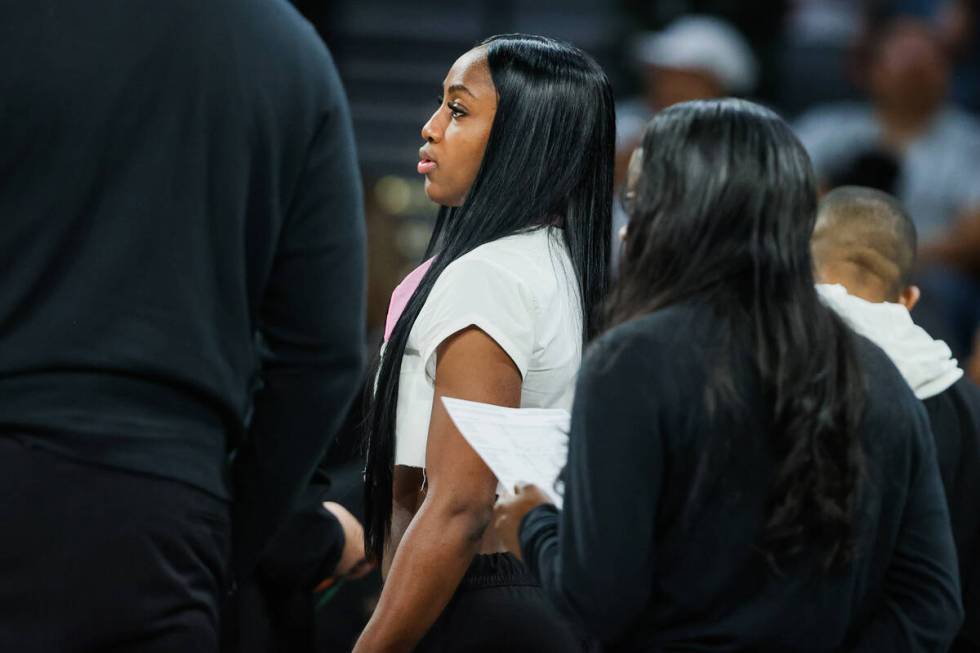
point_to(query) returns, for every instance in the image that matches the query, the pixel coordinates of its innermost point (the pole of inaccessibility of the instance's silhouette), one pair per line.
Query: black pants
(499, 608)
(95, 559)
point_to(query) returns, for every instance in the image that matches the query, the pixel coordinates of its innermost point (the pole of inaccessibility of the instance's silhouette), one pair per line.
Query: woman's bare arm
(445, 533)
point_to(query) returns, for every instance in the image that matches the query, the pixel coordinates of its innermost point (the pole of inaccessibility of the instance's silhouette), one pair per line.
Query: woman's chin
(432, 192)
(436, 195)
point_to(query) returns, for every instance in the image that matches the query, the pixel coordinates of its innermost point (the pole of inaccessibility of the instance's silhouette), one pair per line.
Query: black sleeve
(920, 610)
(307, 547)
(596, 559)
(955, 418)
(312, 323)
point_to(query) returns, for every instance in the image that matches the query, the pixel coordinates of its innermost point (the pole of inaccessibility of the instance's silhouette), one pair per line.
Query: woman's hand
(509, 512)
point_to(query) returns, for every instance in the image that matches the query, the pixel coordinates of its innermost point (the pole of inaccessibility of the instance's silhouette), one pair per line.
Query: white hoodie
(927, 364)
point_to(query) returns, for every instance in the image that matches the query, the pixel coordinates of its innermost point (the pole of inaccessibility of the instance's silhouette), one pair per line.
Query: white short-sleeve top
(521, 291)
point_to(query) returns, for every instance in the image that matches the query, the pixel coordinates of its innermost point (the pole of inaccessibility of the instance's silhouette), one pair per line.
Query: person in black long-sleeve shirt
(957, 412)
(864, 251)
(735, 480)
(182, 255)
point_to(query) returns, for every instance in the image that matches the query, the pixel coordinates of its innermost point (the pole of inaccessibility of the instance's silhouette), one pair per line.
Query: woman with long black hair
(520, 156)
(744, 473)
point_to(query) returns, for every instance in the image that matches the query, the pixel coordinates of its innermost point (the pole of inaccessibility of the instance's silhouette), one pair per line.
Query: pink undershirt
(402, 294)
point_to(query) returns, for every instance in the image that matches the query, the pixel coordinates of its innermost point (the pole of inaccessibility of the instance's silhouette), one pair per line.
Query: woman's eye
(456, 111)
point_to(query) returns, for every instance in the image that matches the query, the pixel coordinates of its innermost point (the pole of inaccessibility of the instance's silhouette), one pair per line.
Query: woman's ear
(910, 297)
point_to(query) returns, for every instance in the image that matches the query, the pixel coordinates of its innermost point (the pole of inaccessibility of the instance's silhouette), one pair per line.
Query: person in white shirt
(519, 155)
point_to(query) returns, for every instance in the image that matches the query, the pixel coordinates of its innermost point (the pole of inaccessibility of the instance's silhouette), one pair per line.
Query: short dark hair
(868, 228)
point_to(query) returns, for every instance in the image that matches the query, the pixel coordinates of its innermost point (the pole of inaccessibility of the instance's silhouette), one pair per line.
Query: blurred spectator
(760, 23)
(694, 58)
(957, 23)
(936, 144)
(816, 48)
(937, 149)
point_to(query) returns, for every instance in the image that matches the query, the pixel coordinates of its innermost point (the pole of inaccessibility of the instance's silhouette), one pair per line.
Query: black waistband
(117, 421)
(496, 570)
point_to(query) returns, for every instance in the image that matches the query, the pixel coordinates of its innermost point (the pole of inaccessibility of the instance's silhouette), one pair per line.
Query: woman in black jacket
(734, 483)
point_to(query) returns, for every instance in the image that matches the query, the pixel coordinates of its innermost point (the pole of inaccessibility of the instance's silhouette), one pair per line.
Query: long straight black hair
(722, 213)
(548, 160)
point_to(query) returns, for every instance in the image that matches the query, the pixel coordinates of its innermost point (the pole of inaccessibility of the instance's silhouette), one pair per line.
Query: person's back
(177, 177)
(955, 417)
(734, 481)
(864, 252)
(142, 201)
(713, 587)
(907, 116)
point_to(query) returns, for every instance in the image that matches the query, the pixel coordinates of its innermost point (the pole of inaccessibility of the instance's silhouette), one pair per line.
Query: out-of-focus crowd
(882, 94)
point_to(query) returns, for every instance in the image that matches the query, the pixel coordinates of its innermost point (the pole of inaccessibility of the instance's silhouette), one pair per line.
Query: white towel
(926, 363)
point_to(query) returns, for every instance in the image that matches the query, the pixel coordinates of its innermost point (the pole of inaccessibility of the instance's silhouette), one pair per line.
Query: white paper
(517, 444)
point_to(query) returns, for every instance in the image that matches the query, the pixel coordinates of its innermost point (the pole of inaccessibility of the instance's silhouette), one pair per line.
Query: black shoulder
(678, 325)
(955, 412)
(665, 345)
(895, 419)
(959, 403)
(886, 385)
(966, 394)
